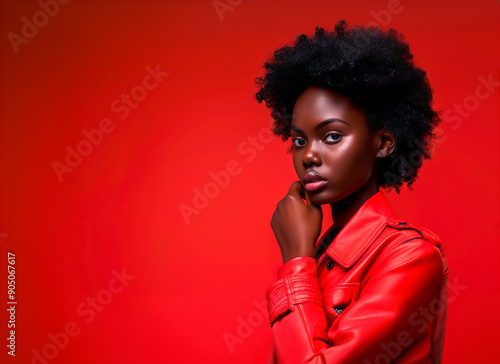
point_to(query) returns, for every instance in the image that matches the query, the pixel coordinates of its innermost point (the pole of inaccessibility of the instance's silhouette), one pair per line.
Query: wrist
(288, 255)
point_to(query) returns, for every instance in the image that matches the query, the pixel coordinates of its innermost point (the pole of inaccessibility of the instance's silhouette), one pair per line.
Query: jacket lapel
(360, 231)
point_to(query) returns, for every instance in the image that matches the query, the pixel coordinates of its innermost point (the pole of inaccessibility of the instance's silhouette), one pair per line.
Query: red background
(196, 283)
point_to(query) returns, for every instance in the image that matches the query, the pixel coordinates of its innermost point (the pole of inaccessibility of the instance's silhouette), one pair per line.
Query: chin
(330, 197)
(323, 198)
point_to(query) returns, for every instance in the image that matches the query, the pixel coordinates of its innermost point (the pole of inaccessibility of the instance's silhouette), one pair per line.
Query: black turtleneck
(325, 243)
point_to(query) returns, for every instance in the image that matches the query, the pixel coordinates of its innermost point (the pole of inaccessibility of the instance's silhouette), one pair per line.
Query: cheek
(365, 162)
(297, 164)
(353, 162)
(343, 160)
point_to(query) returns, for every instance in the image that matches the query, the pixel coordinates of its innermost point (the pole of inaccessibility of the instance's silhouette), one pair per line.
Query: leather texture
(383, 300)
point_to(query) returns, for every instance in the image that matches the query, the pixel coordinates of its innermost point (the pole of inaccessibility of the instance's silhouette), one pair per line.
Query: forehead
(317, 104)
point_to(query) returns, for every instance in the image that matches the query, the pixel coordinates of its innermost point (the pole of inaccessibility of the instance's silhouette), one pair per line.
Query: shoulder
(403, 232)
(404, 244)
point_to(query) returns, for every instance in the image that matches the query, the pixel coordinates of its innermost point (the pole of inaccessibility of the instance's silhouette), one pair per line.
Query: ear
(387, 143)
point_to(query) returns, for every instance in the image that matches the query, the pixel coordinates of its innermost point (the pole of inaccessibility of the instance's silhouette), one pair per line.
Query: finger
(295, 188)
(308, 199)
(310, 203)
(302, 192)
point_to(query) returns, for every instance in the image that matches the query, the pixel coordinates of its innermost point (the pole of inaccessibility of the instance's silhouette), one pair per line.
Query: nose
(311, 156)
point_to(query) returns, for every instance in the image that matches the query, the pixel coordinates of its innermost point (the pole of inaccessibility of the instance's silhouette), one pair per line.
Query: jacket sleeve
(387, 316)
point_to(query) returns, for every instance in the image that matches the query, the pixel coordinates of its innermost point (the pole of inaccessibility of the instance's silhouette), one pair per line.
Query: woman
(373, 288)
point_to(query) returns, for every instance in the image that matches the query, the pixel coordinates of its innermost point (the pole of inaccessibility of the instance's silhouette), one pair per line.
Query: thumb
(295, 188)
(310, 204)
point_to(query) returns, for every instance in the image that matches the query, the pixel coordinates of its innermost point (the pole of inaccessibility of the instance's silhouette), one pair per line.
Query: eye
(298, 142)
(333, 138)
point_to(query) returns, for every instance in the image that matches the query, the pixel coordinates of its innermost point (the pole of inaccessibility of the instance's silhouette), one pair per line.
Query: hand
(296, 225)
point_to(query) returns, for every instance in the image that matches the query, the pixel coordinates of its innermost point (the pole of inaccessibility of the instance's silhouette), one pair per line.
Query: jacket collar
(360, 231)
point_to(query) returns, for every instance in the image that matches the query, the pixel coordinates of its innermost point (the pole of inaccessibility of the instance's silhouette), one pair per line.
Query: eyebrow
(320, 125)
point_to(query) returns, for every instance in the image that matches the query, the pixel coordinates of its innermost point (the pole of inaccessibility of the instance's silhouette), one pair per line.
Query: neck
(343, 210)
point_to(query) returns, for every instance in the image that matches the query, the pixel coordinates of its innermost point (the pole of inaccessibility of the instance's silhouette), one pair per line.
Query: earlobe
(387, 144)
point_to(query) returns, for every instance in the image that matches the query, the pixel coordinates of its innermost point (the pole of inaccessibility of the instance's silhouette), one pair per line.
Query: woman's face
(331, 138)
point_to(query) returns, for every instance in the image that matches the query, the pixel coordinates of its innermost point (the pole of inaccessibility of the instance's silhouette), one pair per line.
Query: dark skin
(330, 137)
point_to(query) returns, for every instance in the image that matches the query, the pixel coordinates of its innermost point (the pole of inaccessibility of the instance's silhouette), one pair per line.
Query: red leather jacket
(377, 295)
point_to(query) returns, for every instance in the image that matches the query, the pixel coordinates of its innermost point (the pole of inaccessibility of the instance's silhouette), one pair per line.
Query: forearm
(296, 313)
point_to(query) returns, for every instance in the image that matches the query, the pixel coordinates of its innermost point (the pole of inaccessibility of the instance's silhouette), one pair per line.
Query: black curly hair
(375, 69)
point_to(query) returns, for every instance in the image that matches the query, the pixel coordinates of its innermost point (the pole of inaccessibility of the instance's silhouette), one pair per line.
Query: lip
(312, 181)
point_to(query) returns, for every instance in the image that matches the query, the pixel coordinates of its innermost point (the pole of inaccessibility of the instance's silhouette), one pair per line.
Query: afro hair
(375, 69)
